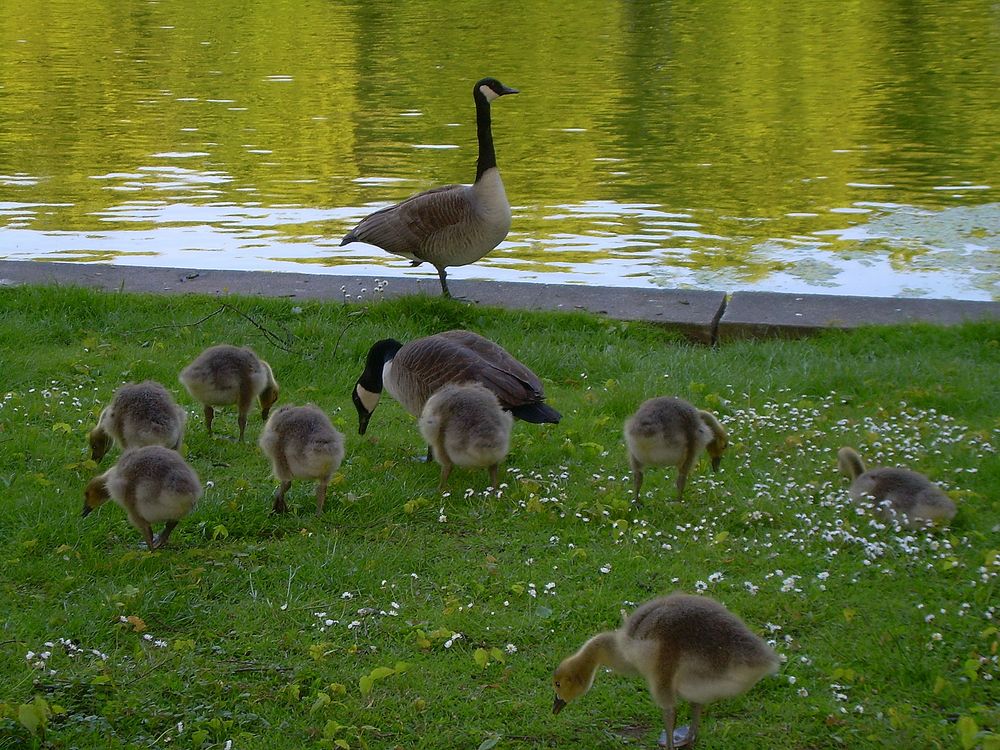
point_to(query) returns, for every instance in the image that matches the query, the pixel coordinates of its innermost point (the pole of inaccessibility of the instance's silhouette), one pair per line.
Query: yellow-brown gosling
(685, 647)
(301, 443)
(224, 375)
(152, 485)
(669, 431)
(465, 426)
(139, 414)
(906, 496)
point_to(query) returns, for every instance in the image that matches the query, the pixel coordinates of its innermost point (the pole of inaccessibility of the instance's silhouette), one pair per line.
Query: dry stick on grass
(278, 341)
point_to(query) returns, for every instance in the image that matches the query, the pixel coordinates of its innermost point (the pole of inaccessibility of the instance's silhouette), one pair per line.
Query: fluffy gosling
(301, 443)
(224, 375)
(669, 431)
(465, 426)
(688, 647)
(151, 484)
(906, 496)
(139, 414)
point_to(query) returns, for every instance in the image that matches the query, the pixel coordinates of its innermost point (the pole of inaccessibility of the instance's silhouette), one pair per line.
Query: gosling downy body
(685, 647)
(139, 414)
(453, 225)
(224, 375)
(465, 426)
(414, 371)
(301, 443)
(902, 495)
(669, 431)
(152, 485)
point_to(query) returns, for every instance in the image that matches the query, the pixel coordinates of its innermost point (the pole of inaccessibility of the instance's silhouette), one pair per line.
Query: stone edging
(706, 316)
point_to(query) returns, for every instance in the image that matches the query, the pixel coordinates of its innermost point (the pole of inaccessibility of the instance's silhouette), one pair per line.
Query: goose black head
(491, 88)
(368, 389)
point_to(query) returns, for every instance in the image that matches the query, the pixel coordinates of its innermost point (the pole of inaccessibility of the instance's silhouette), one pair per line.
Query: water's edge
(702, 315)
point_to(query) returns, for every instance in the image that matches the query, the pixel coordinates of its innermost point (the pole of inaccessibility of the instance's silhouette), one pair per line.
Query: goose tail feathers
(536, 413)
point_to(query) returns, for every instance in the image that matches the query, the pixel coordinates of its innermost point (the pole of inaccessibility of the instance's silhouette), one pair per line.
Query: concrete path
(701, 315)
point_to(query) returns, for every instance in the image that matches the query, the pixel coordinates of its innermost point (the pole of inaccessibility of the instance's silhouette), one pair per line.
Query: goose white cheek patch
(489, 93)
(369, 399)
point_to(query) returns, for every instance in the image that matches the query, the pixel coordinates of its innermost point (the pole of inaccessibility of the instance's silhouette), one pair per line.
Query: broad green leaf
(365, 684)
(967, 731)
(380, 673)
(30, 717)
(481, 657)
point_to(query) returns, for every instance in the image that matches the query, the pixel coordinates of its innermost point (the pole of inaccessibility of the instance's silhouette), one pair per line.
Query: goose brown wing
(405, 228)
(462, 356)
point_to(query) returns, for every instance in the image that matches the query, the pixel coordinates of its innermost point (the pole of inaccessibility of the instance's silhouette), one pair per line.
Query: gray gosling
(152, 485)
(139, 414)
(224, 375)
(688, 647)
(902, 495)
(669, 431)
(301, 443)
(465, 426)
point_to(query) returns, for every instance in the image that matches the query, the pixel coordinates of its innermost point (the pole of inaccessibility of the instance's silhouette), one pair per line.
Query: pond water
(846, 148)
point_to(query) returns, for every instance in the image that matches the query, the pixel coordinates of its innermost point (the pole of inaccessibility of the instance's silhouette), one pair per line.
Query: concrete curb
(700, 315)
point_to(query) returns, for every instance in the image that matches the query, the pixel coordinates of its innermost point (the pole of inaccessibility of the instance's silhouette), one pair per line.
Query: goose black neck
(380, 353)
(487, 156)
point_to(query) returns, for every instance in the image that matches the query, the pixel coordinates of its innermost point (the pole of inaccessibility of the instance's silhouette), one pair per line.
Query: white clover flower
(791, 679)
(347, 595)
(803, 693)
(510, 648)
(606, 568)
(700, 585)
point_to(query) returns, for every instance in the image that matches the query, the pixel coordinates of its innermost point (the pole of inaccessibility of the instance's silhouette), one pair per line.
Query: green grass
(445, 584)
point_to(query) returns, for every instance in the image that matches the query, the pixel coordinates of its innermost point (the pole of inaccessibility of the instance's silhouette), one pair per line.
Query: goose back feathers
(139, 414)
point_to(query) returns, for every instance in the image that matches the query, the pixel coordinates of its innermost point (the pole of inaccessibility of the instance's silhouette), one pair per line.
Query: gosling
(902, 495)
(301, 443)
(688, 647)
(139, 414)
(224, 375)
(669, 431)
(465, 425)
(151, 484)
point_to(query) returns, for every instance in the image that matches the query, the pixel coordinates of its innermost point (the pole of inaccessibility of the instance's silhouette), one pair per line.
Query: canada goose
(151, 484)
(909, 497)
(139, 414)
(223, 375)
(412, 372)
(464, 425)
(669, 431)
(301, 443)
(688, 647)
(453, 225)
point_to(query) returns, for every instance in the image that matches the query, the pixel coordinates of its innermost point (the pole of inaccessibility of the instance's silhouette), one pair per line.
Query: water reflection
(832, 148)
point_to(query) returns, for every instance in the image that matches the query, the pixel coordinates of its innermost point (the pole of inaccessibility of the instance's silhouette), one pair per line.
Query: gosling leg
(279, 497)
(321, 496)
(161, 539)
(209, 416)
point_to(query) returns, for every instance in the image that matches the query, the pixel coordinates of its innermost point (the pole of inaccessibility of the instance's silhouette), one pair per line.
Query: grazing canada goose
(688, 647)
(139, 414)
(151, 484)
(301, 443)
(223, 375)
(453, 225)
(412, 372)
(464, 425)
(900, 494)
(668, 431)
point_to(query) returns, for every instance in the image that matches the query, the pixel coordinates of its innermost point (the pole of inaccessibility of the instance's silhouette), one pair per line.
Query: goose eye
(557, 684)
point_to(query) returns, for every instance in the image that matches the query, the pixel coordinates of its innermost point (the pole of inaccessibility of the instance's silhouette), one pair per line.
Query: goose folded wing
(405, 228)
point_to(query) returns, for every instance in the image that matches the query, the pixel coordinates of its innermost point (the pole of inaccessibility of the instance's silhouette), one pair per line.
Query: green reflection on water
(755, 124)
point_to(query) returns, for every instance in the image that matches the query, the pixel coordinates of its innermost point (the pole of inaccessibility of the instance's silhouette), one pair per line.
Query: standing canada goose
(151, 484)
(412, 372)
(223, 375)
(139, 414)
(464, 425)
(668, 431)
(900, 494)
(301, 443)
(453, 225)
(688, 647)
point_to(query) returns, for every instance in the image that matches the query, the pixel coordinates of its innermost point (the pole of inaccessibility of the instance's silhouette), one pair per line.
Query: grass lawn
(404, 619)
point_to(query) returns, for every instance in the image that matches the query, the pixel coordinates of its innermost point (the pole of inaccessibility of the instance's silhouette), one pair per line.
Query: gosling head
(491, 88)
(100, 443)
(95, 495)
(267, 399)
(569, 683)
